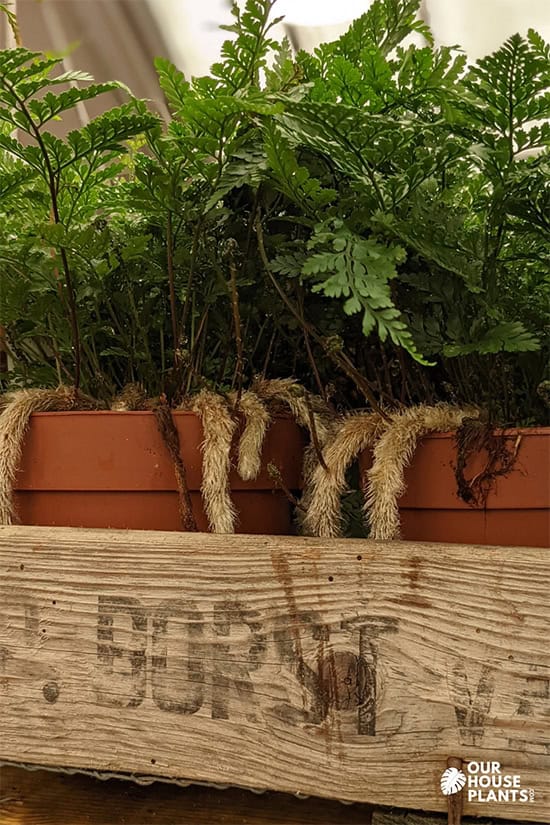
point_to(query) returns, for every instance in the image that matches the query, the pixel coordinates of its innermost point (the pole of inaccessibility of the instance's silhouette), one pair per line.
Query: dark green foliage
(401, 197)
(359, 270)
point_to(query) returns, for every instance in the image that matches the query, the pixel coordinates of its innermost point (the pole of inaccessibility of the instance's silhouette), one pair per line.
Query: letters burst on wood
(328, 667)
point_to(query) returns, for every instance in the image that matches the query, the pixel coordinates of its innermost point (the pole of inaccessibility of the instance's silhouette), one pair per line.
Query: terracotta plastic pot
(517, 511)
(111, 469)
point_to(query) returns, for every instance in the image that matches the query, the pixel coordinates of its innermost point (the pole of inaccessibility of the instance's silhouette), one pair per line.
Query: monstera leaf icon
(452, 781)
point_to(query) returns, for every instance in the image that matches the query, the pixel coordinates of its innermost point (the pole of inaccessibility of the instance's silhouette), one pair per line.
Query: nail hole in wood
(331, 578)
(51, 692)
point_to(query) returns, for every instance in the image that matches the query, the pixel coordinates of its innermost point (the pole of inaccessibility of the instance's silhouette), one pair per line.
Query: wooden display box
(337, 668)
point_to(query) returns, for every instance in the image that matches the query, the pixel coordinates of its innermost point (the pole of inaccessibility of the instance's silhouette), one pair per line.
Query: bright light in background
(190, 26)
(481, 27)
(319, 12)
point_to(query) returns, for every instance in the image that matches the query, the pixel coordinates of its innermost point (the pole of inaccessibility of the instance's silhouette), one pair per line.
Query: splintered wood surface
(46, 798)
(336, 668)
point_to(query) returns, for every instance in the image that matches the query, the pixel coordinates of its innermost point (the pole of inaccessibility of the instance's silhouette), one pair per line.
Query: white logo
(452, 781)
(485, 782)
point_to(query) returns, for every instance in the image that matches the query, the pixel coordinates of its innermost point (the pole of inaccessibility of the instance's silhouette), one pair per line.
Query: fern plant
(420, 142)
(373, 206)
(428, 158)
(69, 171)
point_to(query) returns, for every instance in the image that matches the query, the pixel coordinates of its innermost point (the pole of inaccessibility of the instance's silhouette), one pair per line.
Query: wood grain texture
(45, 798)
(337, 668)
(412, 818)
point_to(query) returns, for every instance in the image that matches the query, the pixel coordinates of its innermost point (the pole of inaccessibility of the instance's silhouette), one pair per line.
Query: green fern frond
(11, 180)
(505, 337)
(359, 270)
(109, 131)
(293, 179)
(506, 92)
(51, 105)
(173, 83)
(386, 24)
(245, 56)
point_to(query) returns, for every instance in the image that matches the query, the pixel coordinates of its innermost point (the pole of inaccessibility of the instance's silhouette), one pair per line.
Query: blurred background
(118, 39)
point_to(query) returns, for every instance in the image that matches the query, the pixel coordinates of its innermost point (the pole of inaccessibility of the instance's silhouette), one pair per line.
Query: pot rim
(282, 416)
(505, 431)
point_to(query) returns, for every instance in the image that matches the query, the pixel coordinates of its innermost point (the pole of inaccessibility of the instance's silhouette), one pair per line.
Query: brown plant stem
(172, 286)
(269, 351)
(309, 352)
(314, 434)
(170, 437)
(239, 367)
(3, 350)
(276, 475)
(190, 277)
(194, 355)
(52, 186)
(337, 356)
(404, 384)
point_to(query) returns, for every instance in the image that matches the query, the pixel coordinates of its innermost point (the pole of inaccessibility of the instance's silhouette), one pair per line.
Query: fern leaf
(293, 179)
(12, 180)
(50, 105)
(386, 24)
(360, 270)
(507, 91)
(343, 133)
(246, 166)
(173, 84)
(109, 131)
(16, 149)
(505, 337)
(24, 73)
(245, 56)
(73, 76)
(284, 73)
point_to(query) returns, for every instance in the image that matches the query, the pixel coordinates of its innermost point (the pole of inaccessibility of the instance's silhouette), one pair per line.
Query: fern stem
(309, 351)
(172, 286)
(239, 367)
(190, 278)
(338, 357)
(52, 186)
(313, 431)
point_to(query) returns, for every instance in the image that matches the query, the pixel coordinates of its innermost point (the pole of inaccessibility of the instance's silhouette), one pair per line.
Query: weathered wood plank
(412, 818)
(46, 798)
(344, 669)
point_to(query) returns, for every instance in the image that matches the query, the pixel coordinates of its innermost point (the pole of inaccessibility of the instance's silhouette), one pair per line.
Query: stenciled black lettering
(370, 629)
(227, 667)
(121, 690)
(289, 636)
(533, 701)
(471, 704)
(177, 678)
